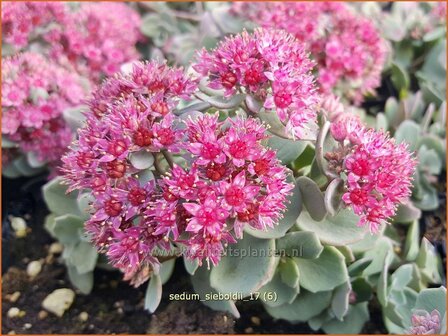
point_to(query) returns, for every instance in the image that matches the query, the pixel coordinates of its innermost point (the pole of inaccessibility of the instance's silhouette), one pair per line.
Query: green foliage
(65, 224)
(247, 266)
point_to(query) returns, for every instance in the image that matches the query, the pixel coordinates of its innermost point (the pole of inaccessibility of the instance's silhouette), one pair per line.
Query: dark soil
(113, 306)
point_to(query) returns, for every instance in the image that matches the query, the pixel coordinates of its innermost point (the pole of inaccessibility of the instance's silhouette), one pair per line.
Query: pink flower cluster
(347, 47)
(228, 178)
(270, 65)
(128, 113)
(424, 323)
(96, 37)
(34, 95)
(21, 21)
(232, 181)
(379, 171)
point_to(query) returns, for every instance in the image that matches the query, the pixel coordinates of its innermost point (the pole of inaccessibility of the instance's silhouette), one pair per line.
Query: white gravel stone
(83, 317)
(34, 268)
(59, 301)
(13, 312)
(56, 248)
(18, 224)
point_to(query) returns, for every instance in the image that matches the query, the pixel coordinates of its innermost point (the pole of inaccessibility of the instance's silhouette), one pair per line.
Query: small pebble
(249, 330)
(12, 332)
(83, 317)
(255, 320)
(22, 313)
(34, 268)
(59, 301)
(18, 224)
(27, 326)
(42, 315)
(56, 248)
(13, 297)
(13, 312)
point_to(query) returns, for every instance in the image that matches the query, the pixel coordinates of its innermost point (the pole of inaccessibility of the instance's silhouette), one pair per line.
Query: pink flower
(207, 217)
(270, 65)
(237, 194)
(348, 49)
(129, 250)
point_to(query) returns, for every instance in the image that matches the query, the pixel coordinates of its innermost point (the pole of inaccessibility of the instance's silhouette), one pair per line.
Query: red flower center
(84, 160)
(238, 149)
(215, 171)
(253, 77)
(137, 196)
(143, 137)
(249, 214)
(116, 169)
(228, 80)
(261, 166)
(113, 207)
(358, 196)
(361, 167)
(166, 136)
(117, 147)
(282, 99)
(168, 196)
(234, 196)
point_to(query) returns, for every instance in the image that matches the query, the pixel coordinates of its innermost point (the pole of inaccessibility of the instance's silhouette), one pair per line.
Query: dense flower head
(231, 181)
(34, 95)
(227, 180)
(22, 21)
(89, 35)
(270, 65)
(378, 171)
(347, 47)
(130, 119)
(424, 323)
(98, 37)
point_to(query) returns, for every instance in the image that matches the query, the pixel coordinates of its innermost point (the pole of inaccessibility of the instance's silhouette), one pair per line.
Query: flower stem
(168, 158)
(320, 148)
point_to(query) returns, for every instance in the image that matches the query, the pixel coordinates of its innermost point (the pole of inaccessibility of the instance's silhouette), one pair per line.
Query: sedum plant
(266, 191)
